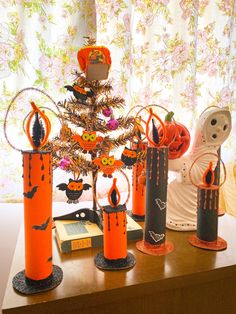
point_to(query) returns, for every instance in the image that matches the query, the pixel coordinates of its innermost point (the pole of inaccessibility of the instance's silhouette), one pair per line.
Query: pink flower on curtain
(226, 6)
(189, 95)
(225, 96)
(188, 7)
(210, 65)
(6, 52)
(180, 55)
(50, 66)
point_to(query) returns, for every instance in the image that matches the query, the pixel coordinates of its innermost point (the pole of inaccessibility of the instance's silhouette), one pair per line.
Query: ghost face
(216, 126)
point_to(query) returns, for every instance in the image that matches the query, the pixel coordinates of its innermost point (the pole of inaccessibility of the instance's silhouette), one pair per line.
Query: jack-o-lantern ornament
(177, 137)
(88, 140)
(107, 164)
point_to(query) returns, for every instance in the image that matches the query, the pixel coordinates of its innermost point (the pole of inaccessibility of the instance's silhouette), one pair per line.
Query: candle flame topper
(208, 176)
(39, 136)
(155, 140)
(114, 195)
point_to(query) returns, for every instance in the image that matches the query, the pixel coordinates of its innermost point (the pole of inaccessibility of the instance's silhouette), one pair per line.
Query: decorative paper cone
(207, 220)
(156, 195)
(138, 188)
(39, 271)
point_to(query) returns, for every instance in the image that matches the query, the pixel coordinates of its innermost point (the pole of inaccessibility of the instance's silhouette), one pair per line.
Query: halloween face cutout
(216, 126)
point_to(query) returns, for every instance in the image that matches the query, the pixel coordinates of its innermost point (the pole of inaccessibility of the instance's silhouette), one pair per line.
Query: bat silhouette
(160, 204)
(31, 192)
(42, 227)
(156, 236)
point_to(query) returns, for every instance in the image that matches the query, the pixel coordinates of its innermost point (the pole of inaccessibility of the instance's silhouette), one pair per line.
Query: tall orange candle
(115, 255)
(37, 172)
(39, 274)
(138, 184)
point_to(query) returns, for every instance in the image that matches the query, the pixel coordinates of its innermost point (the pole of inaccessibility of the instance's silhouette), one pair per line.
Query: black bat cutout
(42, 227)
(31, 192)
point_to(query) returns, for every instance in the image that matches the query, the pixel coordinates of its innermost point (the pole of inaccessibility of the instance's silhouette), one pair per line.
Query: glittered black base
(122, 263)
(28, 286)
(135, 217)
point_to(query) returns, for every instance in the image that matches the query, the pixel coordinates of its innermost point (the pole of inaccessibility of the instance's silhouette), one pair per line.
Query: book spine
(79, 244)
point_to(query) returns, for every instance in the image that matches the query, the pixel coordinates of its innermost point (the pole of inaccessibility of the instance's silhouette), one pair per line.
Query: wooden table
(189, 280)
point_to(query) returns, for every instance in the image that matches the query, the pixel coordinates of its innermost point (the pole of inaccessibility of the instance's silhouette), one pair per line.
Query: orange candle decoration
(206, 236)
(115, 255)
(39, 274)
(139, 184)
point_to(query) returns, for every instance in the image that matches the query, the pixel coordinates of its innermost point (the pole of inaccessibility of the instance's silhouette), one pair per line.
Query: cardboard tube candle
(154, 241)
(207, 214)
(114, 227)
(139, 184)
(40, 274)
(115, 255)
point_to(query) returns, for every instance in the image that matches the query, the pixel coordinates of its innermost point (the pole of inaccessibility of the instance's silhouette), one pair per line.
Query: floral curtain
(178, 54)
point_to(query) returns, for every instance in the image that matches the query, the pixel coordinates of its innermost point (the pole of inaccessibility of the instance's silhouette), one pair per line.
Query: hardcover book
(74, 235)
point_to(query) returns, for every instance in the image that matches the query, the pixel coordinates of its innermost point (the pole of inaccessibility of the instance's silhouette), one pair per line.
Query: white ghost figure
(212, 129)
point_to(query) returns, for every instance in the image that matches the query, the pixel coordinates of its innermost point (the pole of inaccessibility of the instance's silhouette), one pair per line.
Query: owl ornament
(108, 164)
(129, 156)
(88, 140)
(212, 129)
(74, 189)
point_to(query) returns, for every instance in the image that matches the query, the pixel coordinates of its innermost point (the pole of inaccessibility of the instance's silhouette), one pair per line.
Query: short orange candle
(114, 226)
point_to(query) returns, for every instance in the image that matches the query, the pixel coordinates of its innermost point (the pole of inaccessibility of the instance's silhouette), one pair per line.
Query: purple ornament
(112, 124)
(107, 112)
(64, 163)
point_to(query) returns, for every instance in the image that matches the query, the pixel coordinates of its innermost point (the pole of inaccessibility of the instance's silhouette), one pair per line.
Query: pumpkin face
(177, 137)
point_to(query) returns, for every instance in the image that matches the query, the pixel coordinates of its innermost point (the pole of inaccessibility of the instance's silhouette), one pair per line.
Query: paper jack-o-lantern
(177, 137)
(95, 62)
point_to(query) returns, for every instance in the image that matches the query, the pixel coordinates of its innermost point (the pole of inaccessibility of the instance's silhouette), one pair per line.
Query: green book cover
(74, 235)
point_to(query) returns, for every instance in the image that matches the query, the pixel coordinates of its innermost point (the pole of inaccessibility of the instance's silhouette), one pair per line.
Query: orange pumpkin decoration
(177, 137)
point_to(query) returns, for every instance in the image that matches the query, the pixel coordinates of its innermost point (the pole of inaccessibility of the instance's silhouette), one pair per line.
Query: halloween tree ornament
(129, 156)
(95, 62)
(74, 189)
(212, 129)
(88, 140)
(108, 164)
